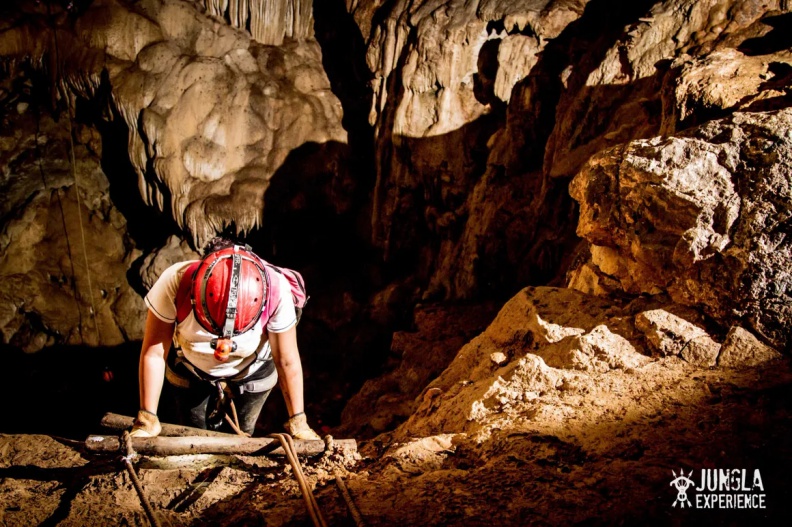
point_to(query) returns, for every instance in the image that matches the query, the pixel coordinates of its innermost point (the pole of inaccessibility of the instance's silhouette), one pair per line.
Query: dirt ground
(559, 412)
(604, 453)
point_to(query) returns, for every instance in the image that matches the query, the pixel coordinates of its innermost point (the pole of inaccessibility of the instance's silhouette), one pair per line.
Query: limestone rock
(269, 21)
(175, 250)
(423, 454)
(698, 216)
(546, 348)
(667, 333)
(476, 109)
(443, 74)
(213, 114)
(723, 81)
(599, 350)
(547, 334)
(702, 351)
(672, 60)
(526, 380)
(742, 349)
(64, 248)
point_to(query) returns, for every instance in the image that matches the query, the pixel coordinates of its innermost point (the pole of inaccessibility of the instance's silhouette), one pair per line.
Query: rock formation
(64, 246)
(212, 113)
(477, 167)
(700, 216)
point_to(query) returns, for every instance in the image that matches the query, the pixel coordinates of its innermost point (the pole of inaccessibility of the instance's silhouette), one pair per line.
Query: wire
(59, 77)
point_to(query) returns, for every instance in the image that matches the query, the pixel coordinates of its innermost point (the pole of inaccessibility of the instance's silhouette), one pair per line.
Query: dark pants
(198, 405)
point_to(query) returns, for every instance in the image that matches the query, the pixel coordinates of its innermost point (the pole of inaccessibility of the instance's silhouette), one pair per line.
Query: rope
(310, 502)
(76, 186)
(126, 442)
(288, 447)
(82, 230)
(225, 400)
(234, 421)
(353, 510)
(62, 215)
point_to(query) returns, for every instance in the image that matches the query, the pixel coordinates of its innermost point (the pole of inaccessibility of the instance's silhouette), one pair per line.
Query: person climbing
(221, 326)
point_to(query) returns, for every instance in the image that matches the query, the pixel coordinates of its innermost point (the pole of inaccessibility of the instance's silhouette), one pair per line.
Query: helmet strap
(233, 295)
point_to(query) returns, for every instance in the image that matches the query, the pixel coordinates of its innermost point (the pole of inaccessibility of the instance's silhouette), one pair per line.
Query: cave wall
(212, 112)
(654, 131)
(484, 110)
(459, 183)
(65, 250)
(438, 150)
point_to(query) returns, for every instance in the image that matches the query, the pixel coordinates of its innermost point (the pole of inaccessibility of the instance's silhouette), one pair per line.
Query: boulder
(742, 349)
(669, 334)
(699, 216)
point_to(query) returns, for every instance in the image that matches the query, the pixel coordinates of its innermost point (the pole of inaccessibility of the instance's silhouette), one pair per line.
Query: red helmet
(229, 291)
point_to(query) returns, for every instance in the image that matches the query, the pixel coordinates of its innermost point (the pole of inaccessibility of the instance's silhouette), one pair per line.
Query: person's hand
(298, 427)
(146, 425)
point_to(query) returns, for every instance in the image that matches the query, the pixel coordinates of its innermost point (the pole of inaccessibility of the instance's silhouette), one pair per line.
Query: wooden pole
(179, 446)
(123, 422)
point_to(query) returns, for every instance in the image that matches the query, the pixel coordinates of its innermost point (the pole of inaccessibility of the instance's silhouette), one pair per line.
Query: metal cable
(126, 445)
(59, 75)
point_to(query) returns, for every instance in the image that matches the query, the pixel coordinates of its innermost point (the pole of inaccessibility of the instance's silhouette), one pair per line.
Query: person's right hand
(298, 427)
(146, 425)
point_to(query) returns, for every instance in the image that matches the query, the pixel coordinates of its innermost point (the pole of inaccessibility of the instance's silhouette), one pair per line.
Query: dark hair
(217, 243)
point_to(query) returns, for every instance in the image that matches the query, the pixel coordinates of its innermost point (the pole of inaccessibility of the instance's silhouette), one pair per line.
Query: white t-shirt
(194, 340)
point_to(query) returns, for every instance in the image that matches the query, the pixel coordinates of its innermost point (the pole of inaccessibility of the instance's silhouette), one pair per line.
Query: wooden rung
(179, 446)
(123, 422)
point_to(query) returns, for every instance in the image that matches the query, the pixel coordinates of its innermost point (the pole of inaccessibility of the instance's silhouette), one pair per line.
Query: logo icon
(682, 484)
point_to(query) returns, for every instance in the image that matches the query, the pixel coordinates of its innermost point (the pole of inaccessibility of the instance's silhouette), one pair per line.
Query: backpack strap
(183, 301)
(296, 284)
(273, 292)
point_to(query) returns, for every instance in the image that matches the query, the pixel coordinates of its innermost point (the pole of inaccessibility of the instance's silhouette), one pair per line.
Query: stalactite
(217, 7)
(238, 13)
(268, 21)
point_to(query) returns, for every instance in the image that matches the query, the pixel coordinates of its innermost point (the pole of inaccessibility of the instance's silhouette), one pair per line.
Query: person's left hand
(298, 427)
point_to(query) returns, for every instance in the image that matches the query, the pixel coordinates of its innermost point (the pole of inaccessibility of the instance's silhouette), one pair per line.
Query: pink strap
(183, 303)
(273, 292)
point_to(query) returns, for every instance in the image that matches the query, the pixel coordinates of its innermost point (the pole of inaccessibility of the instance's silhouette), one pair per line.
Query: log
(179, 446)
(123, 422)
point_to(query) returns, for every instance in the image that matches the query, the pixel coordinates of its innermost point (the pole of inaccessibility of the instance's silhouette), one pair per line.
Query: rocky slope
(556, 414)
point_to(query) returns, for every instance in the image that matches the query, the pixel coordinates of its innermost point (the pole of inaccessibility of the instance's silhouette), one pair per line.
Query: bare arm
(156, 343)
(287, 361)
